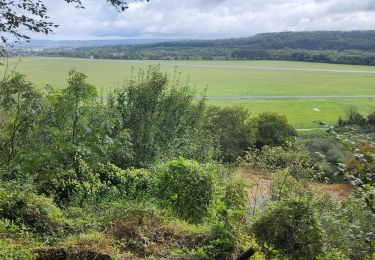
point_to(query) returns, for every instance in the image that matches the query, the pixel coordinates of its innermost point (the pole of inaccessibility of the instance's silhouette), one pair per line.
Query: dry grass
(262, 182)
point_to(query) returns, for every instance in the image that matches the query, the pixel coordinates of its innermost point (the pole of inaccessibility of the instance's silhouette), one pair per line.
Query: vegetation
(148, 171)
(353, 47)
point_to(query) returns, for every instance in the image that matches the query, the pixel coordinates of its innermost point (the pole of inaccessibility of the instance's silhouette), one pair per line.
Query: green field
(234, 78)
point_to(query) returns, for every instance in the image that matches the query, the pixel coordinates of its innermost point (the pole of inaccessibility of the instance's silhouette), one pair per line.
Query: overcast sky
(208, 18)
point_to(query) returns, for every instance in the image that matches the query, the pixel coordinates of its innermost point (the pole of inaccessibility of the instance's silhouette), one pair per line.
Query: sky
(206, 19)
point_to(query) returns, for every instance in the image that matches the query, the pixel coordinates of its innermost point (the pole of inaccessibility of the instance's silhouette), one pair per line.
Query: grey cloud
(209, 18)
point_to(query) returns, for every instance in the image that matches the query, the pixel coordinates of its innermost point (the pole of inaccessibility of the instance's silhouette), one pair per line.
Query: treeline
(335, 57)
(355, 47)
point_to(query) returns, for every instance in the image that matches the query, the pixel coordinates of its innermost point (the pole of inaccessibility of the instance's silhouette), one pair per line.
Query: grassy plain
(233, 78)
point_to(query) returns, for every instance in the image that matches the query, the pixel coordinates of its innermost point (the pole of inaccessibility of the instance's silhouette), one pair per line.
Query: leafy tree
(163, 119)
(232, 128)
(273, 129)
(354, 117)
(20, 107)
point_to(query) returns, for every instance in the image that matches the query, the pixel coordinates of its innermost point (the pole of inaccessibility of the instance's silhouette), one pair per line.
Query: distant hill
(352, 47)
(332, 40)
(86, 43)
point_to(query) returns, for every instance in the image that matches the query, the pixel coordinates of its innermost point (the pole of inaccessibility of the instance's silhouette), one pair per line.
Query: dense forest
(151, 172)
(354, 47)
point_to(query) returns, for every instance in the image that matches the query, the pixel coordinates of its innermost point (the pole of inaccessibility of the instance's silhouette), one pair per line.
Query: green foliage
(348, 227)
(20, 104)
(290, 156)
(163, 119)
(371, 118)
(273, 130)
(229, 233)
(131, 183)
(361, 164)
(327, 154)
(188, 188)
(353, 117)
(25, 207)
(11, 250)
(232, 129)
(291, 226)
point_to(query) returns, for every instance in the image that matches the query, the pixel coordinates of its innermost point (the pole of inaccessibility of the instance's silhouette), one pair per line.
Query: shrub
(232, 129)
(353, 117)
(229, 233)
(371, 118)
(348, 227)
(187, 187)
(290, 156)
(327, 154)
(11, 250)
(26, 207)
(272, 130)
(162, 117)
(130, 183)
(285, 185)
(292, 227)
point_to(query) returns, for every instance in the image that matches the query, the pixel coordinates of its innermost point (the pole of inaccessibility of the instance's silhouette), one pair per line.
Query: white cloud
(208, 18)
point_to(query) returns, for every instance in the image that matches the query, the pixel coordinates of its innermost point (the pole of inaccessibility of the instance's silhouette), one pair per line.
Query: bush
(11, 250)
(371, 118)
(348, 227)
(327, 154)
(187, 187)
(285, 185)
(292, 227)
(163, 118)
(229, 233)
(353, 117)
(273, 130)
(290, 156)
(232, 129)
(130, 183)
(25, 207)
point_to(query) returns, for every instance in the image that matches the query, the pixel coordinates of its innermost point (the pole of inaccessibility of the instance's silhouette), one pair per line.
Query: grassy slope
(231, 81)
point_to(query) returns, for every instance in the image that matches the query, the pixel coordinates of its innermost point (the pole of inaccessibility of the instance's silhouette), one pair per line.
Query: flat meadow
(304, 92)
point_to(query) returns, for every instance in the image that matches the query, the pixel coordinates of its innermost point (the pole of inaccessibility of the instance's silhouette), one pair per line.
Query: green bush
(327, 154)
(232, 129)
(290, 156)
(25, 207)
(163, 118)
(353, 118)
(371, 118)
(229, 233)
(187, 187)
(292, 227)
(273, 130)
(129, 183)
(349, 226)
(11, 250)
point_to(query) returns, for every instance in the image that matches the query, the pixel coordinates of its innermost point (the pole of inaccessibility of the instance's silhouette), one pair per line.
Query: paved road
(288, 97)
(252, 67)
